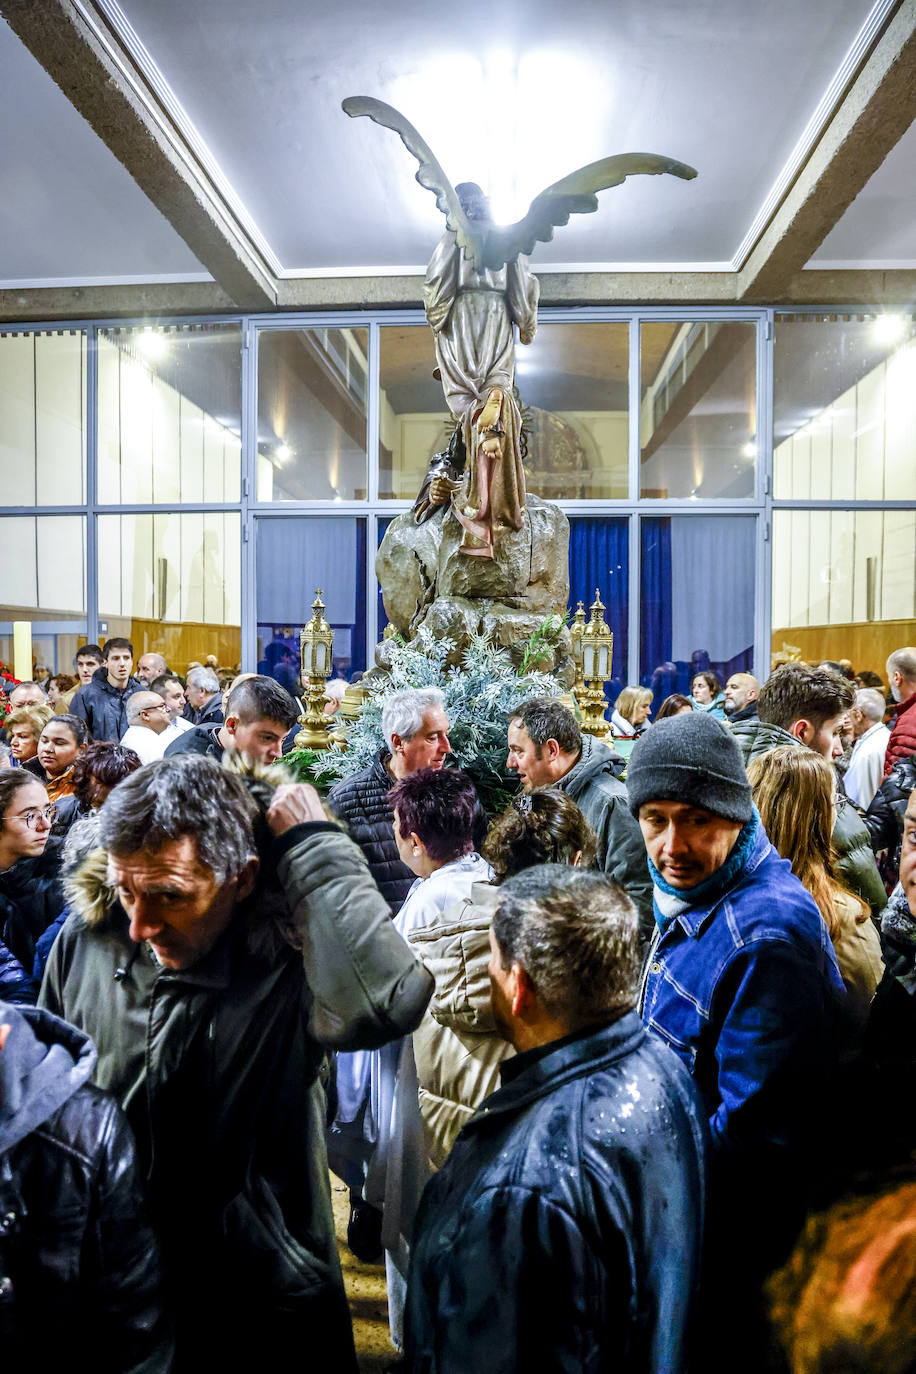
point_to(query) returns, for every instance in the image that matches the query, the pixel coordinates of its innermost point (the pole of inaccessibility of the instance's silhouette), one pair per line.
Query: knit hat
(691, 759)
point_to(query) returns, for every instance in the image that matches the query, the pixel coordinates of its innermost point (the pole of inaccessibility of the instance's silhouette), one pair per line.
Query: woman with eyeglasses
(30, 893)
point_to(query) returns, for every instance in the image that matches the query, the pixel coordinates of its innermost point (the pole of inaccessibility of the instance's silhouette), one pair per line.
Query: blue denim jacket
(745, 991)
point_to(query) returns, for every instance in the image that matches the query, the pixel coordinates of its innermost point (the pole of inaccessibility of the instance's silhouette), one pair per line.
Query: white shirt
(866, 765)
(146, 744)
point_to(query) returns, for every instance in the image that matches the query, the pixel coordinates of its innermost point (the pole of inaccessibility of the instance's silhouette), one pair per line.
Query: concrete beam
(861, 288)
(877, 110)
(114, 302)
(99, 77)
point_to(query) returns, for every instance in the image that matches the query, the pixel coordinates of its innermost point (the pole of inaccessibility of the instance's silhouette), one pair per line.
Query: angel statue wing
(574, 195)
(470, 237)
(491, 245)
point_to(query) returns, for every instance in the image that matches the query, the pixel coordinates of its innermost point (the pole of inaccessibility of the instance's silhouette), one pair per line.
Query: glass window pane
(171, 584)
(44, 582)
(599, 560)
(697, 599)
(698, 409)
(297, 556)
(312, 402)
(43, 409)
(170, 407)
(574, 381)
(844, 585)
(844, 407)
(413, 414)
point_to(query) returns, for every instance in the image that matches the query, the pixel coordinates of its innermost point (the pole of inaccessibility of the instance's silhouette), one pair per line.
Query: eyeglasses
(49, 813)
(163, 707)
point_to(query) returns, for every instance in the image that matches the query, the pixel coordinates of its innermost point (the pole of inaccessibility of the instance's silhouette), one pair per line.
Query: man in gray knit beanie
(741, 982)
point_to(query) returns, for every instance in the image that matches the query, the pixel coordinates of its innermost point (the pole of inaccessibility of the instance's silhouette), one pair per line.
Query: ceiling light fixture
(283, 453)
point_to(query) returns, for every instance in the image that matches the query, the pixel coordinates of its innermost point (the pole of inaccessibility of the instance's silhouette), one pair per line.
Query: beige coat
(858, 952)
(456, 1046)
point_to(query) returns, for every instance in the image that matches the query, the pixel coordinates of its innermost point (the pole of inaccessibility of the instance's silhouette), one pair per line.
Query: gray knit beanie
(690, 759)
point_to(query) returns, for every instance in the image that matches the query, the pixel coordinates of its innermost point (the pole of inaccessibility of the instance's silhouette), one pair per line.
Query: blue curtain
(697, 613)
(294, 556)
(599, 558)
(382, 617)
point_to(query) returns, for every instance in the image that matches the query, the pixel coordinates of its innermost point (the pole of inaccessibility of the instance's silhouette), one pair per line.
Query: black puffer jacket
(31, 897)
(103, 707)
(361, 802)
(79, 1267)
(884, 818)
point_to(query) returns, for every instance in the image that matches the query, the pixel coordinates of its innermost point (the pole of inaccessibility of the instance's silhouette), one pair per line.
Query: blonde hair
(793, 791)
(36, 717)
(630, 699)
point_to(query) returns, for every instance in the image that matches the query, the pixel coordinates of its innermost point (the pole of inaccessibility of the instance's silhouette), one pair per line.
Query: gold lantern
(597, 654)
(316, 642)
(576, 632)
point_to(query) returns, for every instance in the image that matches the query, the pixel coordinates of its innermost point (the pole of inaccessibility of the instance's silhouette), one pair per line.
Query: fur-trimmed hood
(93, 899)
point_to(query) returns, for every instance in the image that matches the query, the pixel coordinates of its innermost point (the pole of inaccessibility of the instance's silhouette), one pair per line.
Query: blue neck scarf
(711, 888)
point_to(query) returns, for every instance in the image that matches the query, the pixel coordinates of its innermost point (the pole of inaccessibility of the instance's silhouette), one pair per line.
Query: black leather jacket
(79, 1267)
(564, 1229)
(884, 818)
(361, 803)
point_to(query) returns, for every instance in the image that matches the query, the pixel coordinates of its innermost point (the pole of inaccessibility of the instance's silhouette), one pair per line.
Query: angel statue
(478, 290)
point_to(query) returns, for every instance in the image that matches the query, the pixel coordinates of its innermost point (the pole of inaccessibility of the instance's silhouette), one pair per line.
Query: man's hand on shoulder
(294, 803)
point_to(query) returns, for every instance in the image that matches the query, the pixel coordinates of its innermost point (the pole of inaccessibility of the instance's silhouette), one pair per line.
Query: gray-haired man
(202, 692)
(416, 729)
(866, 764)
(564, 1229)
(211, 971)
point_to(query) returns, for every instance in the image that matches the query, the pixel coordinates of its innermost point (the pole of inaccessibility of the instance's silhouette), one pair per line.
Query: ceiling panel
(698, 82)
(68, 209)
(879, 228)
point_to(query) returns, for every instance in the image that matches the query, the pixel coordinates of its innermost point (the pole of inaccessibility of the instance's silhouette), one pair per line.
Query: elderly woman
(630, 717)
(23, 730)
(30, 892)
(457, 1048)
(437, 822)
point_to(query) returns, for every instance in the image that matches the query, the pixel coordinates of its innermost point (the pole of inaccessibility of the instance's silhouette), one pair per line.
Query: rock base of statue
(426, 579)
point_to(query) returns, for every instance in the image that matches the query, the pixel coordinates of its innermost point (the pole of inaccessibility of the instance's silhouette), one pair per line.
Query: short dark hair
(11, 779)
(117, 644)
(103, 762)
(576, 935)
(261, 698)
(89, 651)
(794, 691)
(441, 807)
(672, 705)
(185, 795)
(158, 683)
(75, 724)
(870, 679)
(543, 826)
(546, 719)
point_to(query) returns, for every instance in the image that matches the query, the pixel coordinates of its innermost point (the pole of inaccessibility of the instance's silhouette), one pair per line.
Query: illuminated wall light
(153, 345)
(889, 329)
(283, 453)
(750, 449)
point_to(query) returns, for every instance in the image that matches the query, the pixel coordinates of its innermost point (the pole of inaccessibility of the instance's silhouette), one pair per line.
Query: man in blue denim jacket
(742, 983)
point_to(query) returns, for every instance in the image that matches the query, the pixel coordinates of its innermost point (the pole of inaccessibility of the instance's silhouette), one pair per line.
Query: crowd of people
(619, 1078)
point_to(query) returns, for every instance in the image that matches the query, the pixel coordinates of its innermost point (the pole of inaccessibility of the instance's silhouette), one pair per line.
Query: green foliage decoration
(480, 696)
